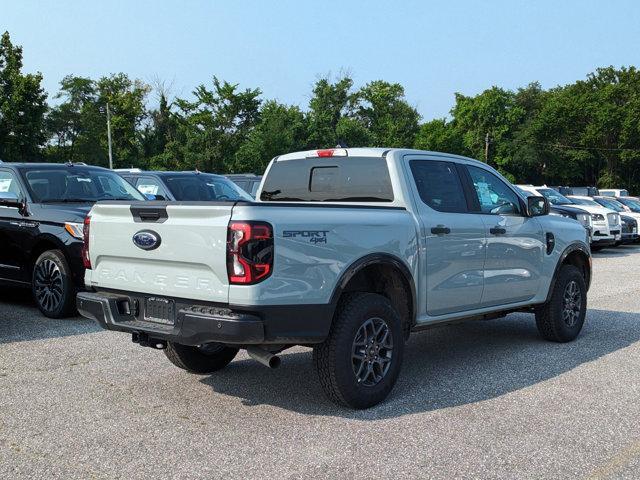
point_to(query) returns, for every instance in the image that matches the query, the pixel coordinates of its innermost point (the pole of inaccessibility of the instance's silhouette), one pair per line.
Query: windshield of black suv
(554, 197)
(204, 187)
(634, 205)
(77, 184)
(610, 204)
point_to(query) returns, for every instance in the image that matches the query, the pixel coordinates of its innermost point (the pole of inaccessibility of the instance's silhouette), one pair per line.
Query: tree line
(584, 133)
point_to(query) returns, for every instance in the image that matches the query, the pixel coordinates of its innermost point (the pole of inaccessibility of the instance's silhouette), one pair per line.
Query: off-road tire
(195, 359)
(52, 285)
(549, 317)
(333, 357)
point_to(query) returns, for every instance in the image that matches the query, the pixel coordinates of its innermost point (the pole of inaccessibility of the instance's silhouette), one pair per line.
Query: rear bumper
(197, 323)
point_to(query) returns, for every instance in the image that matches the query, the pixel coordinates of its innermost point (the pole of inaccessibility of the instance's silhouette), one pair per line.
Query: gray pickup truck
(347, 251)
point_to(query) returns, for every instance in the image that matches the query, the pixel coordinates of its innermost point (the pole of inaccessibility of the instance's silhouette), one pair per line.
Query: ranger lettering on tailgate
(157, 279)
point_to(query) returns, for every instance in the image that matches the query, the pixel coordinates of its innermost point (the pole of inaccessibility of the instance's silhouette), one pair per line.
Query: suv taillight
(85, 245)
(249, 252)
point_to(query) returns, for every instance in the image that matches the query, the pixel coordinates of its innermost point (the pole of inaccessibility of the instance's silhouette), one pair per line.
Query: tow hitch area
(145, 340)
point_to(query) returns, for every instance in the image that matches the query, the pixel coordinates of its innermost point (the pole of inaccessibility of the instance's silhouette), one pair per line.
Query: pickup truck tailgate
(188, 260)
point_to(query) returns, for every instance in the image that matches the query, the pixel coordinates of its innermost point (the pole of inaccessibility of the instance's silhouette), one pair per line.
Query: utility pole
(109, 136)
(487, 141)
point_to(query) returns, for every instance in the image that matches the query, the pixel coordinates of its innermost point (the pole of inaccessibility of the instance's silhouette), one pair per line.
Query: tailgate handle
(143, 214)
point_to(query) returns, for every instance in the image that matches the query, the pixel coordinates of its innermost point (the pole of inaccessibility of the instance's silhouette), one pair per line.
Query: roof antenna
(342, 144)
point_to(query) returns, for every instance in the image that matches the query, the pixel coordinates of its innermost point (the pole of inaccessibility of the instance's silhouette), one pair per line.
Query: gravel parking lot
(485, 399)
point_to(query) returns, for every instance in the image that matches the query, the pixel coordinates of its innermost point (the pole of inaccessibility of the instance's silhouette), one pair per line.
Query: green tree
(558, 131)
(126, 99)
(329, 103)
(281, 129)
(212, 127)
(159, 131)
(22, 106)
(492, 112)
(78, 124)
(439, 135)
(75, 125)
(383, 110)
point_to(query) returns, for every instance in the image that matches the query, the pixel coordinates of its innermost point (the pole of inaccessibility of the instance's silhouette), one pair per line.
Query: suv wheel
(206, 358)
(562, 317)
(358, 364)
(52, 286)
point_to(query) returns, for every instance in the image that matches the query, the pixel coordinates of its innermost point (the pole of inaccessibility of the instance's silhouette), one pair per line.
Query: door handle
(497, 230)
(440, 230)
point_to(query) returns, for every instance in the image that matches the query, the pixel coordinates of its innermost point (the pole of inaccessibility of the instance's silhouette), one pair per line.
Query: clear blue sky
(434, 49)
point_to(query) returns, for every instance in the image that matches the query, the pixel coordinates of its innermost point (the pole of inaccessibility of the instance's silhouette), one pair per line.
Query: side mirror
(537, 206)
(10, 200)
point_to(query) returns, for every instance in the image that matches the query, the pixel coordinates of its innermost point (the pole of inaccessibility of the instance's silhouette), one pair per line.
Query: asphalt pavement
(476, 400)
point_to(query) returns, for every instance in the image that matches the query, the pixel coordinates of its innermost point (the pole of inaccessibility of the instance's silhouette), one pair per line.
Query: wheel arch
(384, 274)
(578, 255)
(42, 244)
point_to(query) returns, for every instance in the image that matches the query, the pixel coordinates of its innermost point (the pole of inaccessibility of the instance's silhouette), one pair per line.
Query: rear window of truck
(343, 179)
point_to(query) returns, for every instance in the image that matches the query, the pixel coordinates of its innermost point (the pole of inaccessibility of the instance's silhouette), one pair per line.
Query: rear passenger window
(439, 185)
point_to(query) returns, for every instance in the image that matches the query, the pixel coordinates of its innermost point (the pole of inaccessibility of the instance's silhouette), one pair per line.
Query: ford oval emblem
(146, 240)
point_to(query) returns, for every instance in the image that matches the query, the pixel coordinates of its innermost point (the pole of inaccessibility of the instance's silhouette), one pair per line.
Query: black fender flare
(571, 248)
(375, 259)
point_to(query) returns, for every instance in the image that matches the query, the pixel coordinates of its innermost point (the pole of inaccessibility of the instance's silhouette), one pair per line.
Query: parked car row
(609, 221)
(183, 186)
(41, 238)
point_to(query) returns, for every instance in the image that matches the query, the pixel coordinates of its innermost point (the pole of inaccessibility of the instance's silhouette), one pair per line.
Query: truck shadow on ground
(443, 367)
(21, 321)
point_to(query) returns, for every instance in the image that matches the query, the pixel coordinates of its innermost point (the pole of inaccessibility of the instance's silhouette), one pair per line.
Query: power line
(577, 147)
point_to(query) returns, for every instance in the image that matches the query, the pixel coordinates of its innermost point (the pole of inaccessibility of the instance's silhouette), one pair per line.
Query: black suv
(42, 210)
(183, 186)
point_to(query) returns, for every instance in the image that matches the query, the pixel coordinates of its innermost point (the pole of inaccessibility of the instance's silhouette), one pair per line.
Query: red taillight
(85, 245)
(249, 252)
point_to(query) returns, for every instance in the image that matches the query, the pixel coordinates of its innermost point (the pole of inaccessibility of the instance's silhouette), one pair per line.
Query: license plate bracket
(159, 310)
